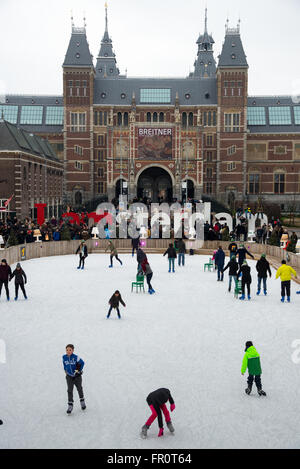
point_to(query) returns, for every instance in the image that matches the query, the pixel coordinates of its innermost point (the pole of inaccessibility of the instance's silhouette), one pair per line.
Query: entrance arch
(156, 184)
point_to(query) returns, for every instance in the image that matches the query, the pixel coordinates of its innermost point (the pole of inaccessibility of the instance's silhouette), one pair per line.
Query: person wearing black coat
(171, 251)
(241, 253)
(135, 242)
(246, 279)
(263, 268)
(181, 251)
(233, 269)
(156, 400)
(219, 262)
(83, 253)
(5, 274)
(114, 302)
(20, 280)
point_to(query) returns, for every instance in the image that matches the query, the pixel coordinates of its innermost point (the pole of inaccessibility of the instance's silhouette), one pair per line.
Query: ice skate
(248, 391)
(70, 408)
(258, 292)
(144, 430)
(261, 393)
(288, 299)
(265, 292)
(249, 297)
(82, 403)
(170, 427)
(242, 297)
(282, 299)
(16, 298)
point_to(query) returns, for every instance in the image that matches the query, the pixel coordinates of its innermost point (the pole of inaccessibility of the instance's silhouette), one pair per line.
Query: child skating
(73, 366)
(20, 280)
(156, 400)
(114, 302)
(246, 279)
(251, 361)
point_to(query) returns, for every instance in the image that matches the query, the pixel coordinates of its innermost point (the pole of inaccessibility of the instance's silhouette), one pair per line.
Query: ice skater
(156, 400)
(251, 361)
(5, 274)
(245, 271)
(219, 261)
(73, 366)
(263, 268)
(285, 273)
(233, 269)
(135, 242)
(114, 302)
(181, 252)
(20, 280)
(113, 253)
(171, 251)
(83, 253)
(146, 269)
(241, 253)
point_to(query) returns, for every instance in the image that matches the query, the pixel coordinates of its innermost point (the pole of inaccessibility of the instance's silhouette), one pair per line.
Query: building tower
(232, 89)
(205, 64)
(78, 86)
(106, 61)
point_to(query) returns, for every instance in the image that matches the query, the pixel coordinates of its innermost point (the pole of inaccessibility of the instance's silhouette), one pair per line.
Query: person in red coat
(5, 274)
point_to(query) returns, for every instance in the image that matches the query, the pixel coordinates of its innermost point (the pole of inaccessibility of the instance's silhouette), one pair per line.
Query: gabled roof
(78, 53)
(14, 139)
(233, 54)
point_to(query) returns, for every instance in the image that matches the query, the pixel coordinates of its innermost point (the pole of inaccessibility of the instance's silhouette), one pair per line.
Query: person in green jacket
(251, 361)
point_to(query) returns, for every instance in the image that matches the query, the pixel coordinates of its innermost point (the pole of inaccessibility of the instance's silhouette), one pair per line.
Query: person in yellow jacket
(285, 273)
(251, 361)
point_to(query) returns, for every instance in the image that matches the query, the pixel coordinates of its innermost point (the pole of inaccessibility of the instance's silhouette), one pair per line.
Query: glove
(161, 432)
(78, 373)
(172, 407)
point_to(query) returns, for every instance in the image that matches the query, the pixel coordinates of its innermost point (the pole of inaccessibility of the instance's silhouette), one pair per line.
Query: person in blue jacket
(219, 262)
(73, 366)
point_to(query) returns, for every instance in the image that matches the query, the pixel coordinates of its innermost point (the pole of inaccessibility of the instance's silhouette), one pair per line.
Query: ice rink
(189, 337)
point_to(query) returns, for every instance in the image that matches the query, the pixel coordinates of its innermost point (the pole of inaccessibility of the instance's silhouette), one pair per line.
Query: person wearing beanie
(246, 279)
(262, 267)
(233, 269)
(20, 280)
(83, 253)
(251, 361)
(241, 253)
(285, 273)
(156, 400)
(5, 275)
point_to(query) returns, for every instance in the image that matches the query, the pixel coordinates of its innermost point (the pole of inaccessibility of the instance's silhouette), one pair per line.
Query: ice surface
(189, 337)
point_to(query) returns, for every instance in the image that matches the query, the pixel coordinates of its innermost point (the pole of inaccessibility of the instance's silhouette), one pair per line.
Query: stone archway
(155, 183)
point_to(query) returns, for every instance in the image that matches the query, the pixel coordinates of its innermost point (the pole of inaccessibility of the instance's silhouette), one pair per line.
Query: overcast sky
(150, 38)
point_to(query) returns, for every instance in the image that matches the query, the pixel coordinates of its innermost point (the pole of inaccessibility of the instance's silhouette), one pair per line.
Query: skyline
(142, 49)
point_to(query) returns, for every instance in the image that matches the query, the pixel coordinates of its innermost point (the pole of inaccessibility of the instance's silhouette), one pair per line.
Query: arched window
(155, 117)
(126, 119)
(148, 116)
(119, 119)
(184, 119)
(205, 118)
(209, 118)
(161, 117)
(78, 198)
(214, 118)
(191, 119)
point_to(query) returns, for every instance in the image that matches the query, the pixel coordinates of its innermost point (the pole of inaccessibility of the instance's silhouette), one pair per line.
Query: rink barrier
(61, 248)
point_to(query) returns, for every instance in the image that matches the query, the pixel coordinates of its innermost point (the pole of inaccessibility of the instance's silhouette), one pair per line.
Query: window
(191, 119)
(10, 113)
(280, 115)
(209, 140)
(54, 115)
(78, 150)
(232, 122)
(100, 172)
(155, 117)
(100, 187)
(231, 150)
(78, 122)
(148, 116)
(161, 117)
(100, 155)
(119, 119)
(209, 156)
(31, 115)
(84, 83)
(208, 187)
(279, 183)
(70, 83)
(78, 166)
(155, 95)
(231, 166)
(297, 114)
(209, 173)
(126, 119)
(253, 186)
(256, 115)
(184, 119)
(101, 140)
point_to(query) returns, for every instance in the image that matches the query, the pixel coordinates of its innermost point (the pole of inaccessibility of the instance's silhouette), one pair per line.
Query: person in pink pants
(157, 403)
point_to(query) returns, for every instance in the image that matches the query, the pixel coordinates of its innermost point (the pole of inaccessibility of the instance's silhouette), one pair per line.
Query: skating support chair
(209, 265)
(238, 288)
(138, 284)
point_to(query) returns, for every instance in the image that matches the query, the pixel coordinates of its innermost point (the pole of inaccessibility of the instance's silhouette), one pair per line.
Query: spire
(205, 65)
(106, 60)
(78, 53)
(232, 54)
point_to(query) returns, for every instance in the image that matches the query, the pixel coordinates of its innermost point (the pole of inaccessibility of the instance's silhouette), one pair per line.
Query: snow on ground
(188, 337)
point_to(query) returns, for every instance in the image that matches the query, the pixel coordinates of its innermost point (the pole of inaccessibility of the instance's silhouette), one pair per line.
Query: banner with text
(155, 143)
